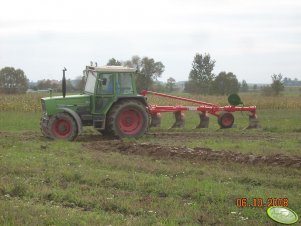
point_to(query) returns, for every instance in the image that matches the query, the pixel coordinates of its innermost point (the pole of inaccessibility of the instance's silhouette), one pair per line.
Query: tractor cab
(110, 80)
(107, 84)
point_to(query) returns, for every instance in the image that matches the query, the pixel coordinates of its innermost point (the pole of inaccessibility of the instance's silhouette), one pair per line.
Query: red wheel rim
(130, 122)
(61, 128)
(227, 120)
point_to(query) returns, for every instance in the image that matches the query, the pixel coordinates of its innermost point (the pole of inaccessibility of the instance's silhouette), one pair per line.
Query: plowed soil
(192, 154)
(98, 143)
(217, 135)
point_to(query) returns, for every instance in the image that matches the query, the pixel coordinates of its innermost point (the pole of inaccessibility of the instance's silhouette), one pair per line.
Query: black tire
(62, 126)
(225, 120)
(127, 118)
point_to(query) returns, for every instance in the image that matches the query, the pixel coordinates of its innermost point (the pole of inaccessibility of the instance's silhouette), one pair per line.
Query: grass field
(148, 181)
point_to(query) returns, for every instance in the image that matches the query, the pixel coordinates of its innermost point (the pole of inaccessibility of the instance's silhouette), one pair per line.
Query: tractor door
(104, 93)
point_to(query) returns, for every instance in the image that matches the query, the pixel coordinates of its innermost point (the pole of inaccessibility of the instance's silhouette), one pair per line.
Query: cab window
(124, 83)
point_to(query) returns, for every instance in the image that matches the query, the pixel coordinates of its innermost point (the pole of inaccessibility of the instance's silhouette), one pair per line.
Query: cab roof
(111, 69)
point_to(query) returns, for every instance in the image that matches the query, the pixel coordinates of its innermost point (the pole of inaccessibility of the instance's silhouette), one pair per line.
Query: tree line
(13, 81)
(201, 79)
(55, 85)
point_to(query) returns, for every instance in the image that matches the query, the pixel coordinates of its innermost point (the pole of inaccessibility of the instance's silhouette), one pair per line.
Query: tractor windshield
(91, 80)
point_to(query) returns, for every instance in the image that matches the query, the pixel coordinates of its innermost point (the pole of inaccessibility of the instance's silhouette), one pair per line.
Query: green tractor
(109, 102)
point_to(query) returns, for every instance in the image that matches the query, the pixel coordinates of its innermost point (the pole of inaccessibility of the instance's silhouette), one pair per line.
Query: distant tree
(287, 81)
(244, 86)
(201, 76)
(80, 86)
(267, 90)
(69, 86)
(148, 71)
(291, 82)
(46, 84)
(113, 62)
(190, 87)
(13, 81)
(135, 62)
(255, 87)
(158, 87)
(225, 84)
(171, 82)
(32, 86)
(277, 84)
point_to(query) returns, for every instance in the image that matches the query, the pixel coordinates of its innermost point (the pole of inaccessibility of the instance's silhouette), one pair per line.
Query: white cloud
(43, 36)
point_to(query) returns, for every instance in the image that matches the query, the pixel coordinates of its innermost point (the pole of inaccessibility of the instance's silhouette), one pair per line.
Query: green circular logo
(282, 215)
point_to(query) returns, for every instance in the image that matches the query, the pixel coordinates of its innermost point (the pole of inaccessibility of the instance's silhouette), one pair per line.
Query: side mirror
(103, 81)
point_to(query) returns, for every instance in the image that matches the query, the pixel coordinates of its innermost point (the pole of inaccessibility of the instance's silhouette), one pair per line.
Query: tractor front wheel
(44, 126)
(62, 126)
(128, 118)
(225, 120)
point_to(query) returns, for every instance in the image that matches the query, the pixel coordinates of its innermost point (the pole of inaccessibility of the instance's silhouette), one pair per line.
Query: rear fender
(140, 98)
(75, 116)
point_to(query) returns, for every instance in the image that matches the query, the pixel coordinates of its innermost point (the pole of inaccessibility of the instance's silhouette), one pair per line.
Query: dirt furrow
(194, 154)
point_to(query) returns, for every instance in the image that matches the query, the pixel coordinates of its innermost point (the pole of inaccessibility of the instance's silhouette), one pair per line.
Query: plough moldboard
(224, 114)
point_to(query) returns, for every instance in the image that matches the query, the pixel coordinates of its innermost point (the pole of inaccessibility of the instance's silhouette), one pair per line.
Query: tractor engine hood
(53, 105)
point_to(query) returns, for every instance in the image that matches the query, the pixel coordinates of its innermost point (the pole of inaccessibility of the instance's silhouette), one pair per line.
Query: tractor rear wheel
(225, 120)
(127, 118)
(62, 126)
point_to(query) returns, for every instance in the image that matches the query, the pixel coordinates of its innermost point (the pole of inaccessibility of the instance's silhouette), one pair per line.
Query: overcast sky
(251, 38)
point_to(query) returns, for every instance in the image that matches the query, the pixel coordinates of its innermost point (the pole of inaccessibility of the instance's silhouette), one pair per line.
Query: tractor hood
(53, 105)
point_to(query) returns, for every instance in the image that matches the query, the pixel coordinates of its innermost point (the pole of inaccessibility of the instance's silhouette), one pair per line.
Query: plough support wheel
(225, 120)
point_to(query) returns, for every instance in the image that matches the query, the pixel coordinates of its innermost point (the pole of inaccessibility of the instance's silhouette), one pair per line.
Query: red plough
(224, 114)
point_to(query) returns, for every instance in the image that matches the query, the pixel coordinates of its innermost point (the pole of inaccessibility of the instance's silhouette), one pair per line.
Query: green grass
(62, 183)
(18, 121)
(45, 182)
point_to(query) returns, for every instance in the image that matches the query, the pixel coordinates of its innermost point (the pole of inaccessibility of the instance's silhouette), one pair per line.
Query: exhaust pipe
(64, 83)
